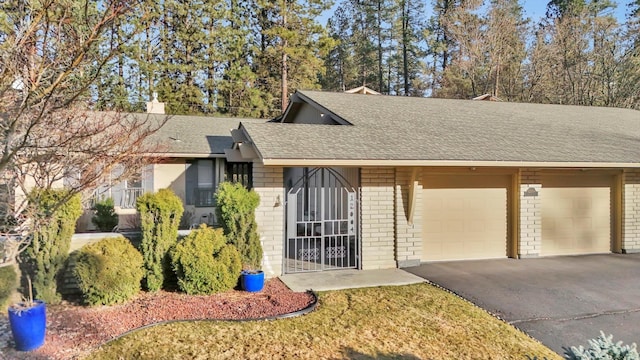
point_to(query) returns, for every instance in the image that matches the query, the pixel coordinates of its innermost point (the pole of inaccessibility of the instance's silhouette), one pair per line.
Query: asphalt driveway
(561, 301)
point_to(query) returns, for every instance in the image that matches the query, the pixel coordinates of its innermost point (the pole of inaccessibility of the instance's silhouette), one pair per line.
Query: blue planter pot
(252, 281)
(28, 326)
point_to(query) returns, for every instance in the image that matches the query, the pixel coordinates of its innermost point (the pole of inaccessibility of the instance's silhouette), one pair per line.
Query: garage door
(576, 214)
(464, 217)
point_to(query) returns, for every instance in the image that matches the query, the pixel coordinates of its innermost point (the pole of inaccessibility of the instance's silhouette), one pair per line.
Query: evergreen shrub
(603, 348)
(204, 263)
(8, 283)
(160, 215)
(235, 207)
(54, 223)
(108, 271)
(105, 217)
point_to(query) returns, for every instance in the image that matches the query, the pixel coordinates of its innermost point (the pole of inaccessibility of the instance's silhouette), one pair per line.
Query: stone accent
(378, 218)
(268, 183)
(530, 241)
(631, 212)
(408, 236)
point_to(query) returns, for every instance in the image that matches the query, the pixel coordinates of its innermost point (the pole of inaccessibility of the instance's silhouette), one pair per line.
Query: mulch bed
(74, 331)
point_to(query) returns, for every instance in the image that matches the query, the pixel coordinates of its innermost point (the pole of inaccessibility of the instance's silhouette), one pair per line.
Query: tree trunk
(285, 98)
(405, 39)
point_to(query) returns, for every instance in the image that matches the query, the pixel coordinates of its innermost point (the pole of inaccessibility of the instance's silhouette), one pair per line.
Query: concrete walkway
(348, 279)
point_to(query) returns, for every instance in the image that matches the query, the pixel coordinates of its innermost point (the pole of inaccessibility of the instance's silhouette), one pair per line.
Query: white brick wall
(408, 236)
(268, 183)
(530, 215)
(631, 212)
(378, 218)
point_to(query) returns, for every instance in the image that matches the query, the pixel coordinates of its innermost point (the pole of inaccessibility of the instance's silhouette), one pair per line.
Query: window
(131, 191)
(241, 172)
(201, 182)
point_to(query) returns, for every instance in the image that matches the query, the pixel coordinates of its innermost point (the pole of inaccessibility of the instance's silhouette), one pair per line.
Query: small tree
(54, 225)
(105, 217)
(160, 215)
(204, 263)
(52, 54)
(236, 206)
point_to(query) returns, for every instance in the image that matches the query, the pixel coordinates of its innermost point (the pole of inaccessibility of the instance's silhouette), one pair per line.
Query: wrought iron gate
(322, 222)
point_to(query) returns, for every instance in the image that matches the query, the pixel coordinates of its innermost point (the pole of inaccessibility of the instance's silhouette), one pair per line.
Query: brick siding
(530, 215)
(408, 236)
(378, 218)
(631, 212)
(268, 183)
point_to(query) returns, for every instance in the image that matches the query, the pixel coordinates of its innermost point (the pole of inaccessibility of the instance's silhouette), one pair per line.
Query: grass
(412, 322)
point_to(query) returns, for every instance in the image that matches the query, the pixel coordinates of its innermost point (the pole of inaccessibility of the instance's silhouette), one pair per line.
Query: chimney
(154, 106)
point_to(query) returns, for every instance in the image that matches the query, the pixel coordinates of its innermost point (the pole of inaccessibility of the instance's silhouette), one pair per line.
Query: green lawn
(415, 322)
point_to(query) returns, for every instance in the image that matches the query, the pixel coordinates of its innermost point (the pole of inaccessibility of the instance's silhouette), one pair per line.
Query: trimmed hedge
(160, 215)
(204, 263)
(108, 271)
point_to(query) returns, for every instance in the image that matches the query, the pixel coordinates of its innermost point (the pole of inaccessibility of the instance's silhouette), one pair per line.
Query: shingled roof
(195, 136)
(428, 131)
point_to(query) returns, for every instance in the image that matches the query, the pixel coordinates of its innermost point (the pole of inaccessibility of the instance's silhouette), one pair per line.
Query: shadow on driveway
(561, 301)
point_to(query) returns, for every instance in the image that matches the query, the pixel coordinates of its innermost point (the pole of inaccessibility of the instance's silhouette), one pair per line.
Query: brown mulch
(74, 331)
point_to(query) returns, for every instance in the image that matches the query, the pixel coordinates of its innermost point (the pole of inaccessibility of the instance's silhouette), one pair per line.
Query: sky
(534, 9)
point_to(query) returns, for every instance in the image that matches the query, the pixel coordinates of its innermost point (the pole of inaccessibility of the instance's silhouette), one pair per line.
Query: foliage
(52, 54)
(8, 283)
(105, 217)
(235, 207)
(160, 215)
(603, 348)
(54, 225)
(204, 263)
(108, 271)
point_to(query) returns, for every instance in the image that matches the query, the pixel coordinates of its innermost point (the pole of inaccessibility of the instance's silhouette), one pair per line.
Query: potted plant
(236, 206)
(28, 322)
(252, 280)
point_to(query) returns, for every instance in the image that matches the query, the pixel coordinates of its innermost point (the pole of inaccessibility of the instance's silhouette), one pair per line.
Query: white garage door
(464, 217)
(576, 214)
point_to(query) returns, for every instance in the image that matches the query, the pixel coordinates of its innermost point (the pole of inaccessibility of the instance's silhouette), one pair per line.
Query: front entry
(322, 219)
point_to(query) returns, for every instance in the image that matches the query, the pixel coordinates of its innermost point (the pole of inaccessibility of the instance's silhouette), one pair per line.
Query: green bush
(56, 212)
(603, 348)
(235, 207)
(8, 283)
(108, 271)
(204, 263)
(104, 217)
(160, 215)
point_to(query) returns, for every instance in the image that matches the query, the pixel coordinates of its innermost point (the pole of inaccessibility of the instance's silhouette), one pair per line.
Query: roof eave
(184, 155)
(445, 163)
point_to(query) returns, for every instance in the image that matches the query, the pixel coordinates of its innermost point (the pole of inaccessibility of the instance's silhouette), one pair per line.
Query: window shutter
(191, 181)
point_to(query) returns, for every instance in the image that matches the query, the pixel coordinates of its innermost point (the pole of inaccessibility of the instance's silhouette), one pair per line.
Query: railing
(205, 197)
(129, 197)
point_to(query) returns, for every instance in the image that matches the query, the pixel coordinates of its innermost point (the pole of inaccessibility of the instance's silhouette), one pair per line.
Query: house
(191, 163)
(369, 182)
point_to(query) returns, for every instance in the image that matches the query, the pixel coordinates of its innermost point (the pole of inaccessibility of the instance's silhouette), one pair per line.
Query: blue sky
(534, 9)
